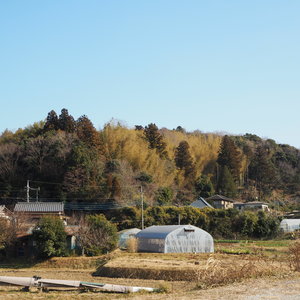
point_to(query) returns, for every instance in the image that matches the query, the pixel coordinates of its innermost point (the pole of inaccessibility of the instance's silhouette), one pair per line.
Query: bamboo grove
(70, 160)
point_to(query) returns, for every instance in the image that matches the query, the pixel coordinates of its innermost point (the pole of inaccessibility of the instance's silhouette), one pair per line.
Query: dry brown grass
(203, 269)
(132, 245)
(294, 251)
(181, 272)
(219, 272)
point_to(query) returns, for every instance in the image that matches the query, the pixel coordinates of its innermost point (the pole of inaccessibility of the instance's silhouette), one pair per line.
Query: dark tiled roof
(43, 207)
(89, 206)
(200, 203)
(219, 198)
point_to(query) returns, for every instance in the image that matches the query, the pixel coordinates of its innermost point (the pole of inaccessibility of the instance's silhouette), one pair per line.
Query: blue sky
(225, 66)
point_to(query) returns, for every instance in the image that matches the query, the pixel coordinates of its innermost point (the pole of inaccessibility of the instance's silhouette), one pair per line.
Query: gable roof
(219, 198)
(40, 207)
(200, 203)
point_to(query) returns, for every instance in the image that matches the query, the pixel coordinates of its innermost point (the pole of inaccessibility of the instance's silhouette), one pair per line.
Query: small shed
(174, 239)
(125, 235)
(290, 225)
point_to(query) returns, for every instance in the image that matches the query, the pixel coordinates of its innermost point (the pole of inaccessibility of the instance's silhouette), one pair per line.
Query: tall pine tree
(230, 156)
(51, 121)
(155, 140)
(66, 122)
(184, 161)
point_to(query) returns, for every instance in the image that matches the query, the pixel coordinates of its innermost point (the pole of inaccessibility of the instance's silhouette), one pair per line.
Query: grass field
(179, 276)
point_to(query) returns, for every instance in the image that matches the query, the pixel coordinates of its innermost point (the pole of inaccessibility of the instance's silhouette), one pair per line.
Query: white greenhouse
(290, 225)
(125, 235)
(174, 239)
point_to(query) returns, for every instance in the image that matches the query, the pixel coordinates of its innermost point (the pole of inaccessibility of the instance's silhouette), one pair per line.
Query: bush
(50, 237)
(97, 235)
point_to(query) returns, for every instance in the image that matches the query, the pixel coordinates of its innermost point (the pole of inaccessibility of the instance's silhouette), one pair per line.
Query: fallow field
(237, 270)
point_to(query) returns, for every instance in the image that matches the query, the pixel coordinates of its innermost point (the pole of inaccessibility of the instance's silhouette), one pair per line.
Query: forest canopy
(70, 160)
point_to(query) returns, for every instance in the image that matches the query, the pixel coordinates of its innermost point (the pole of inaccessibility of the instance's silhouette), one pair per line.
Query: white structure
(251, 205)
(290, 225)
(174, 239)
(125, 235)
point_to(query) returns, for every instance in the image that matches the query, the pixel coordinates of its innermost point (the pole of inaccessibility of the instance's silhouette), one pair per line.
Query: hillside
(72, 161)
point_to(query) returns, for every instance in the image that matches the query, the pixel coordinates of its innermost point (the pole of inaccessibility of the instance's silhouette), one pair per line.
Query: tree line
(71, 160)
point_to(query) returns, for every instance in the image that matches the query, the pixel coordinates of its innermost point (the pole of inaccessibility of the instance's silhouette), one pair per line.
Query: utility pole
(37, 193)
(28, 188)
(27, 191)
(142, 199)
(179, 219)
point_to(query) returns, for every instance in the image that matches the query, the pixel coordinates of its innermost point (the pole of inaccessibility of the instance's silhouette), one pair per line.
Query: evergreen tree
(139, 127)
(184, 160)
(86, 131)
(226, 185)
(164, 195)
(51, 121)
(204, 187)
(230, 156)
(66, 122)
(155, 140)
(261, 168)
(50, 237)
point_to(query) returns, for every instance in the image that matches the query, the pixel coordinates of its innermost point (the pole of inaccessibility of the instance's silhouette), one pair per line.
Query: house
(290, 225)
(32, 212)
(221, 202)
(255, 205)
(200, 203)
(174, 239)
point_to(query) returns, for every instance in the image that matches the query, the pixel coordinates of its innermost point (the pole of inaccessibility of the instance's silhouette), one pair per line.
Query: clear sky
(218, 65)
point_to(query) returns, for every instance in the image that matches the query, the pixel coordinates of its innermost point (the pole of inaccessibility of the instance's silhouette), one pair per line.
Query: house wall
(223, 204)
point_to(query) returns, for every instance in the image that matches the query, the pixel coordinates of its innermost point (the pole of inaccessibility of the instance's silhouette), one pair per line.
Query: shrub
(97, 235)
(50, 237)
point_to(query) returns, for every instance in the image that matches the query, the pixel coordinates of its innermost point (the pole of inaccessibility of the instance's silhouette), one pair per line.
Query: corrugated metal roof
(200, 203)
(39, 207)
(160, 232)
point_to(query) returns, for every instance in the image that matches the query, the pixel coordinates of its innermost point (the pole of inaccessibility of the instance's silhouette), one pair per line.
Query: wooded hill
(72, 161)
